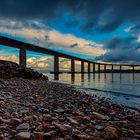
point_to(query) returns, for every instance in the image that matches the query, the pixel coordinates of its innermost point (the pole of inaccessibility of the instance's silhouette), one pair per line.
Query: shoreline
(93, 93)
(40, 109)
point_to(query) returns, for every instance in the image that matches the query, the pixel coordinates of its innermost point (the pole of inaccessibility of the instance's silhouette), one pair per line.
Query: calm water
(121, 88)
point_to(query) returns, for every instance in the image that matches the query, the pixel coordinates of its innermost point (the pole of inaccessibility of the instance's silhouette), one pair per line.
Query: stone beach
(33, 108)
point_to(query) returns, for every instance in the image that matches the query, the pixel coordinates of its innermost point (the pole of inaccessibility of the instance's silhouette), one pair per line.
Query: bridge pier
(82, 66)
(93, 67)
(56, 64)
(98, 68)
(120, 68)
(112, 68)
(22, 57)
(105, 68)
(133, 69)
(88, 67)
(72, 66)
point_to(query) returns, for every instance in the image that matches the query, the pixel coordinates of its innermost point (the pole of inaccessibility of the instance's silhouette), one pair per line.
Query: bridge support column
(93, 67)
(133, 68)
(56, 64)
(82, 66)
(88, 67)
(98, 68)
(22, 57)
(72, 65)
(105, 68)
(112, 68)
(120, 68)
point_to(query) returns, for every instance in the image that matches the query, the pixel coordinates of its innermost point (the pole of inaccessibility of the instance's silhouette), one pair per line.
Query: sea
(121, 88)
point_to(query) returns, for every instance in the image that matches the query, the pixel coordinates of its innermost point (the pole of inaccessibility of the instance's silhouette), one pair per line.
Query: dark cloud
(121, 50)
(19, 25)
(74, 45)
(105, 15)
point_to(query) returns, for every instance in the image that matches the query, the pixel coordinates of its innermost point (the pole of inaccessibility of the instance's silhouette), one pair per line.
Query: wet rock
(5, 115)
(99, 116)
(23, 127)
(72, 121)
(15, 121)
(82, 137)
(23, 136)
(15, 114)
(49, 135)
(59, 111)
(99, 127)
(24, 111)
(69, 127)
(79, 113)
(45, 136)
(2, 104)
(27, 118)
(13, 132)
(47, 117)
(111, 132)
(48, 126)
(61, 127)
(5, 121)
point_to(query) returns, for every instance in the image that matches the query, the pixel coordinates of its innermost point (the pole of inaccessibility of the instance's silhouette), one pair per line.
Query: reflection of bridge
(22, 46)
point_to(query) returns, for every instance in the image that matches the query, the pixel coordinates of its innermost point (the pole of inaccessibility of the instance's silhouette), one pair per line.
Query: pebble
(72, 121)
(23, 127)
(59, 110)
(15, 121)
(96, 115)
(99, 127)
(23, 136)
(47, 110)
(111, 132)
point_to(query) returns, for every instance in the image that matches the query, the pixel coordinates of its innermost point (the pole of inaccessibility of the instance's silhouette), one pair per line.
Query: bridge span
(23, 47)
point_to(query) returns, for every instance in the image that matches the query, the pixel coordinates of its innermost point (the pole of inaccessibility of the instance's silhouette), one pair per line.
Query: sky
(99, 30)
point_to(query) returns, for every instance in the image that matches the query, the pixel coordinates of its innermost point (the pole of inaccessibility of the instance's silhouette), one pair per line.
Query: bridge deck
(20, 45)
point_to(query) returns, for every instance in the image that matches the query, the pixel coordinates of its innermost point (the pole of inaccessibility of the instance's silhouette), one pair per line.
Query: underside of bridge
(96, 67)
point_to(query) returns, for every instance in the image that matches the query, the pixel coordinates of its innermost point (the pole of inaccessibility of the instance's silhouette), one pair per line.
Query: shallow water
(121, 88)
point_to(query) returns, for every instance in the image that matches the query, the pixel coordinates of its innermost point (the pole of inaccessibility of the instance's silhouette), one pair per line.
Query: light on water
(122, 88)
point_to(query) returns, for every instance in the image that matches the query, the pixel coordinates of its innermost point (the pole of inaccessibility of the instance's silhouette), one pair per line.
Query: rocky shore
(37, 109)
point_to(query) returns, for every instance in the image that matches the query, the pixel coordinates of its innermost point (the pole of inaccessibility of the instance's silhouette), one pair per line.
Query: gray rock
(59, 110)
(23, 127)
(23, 136)
(99, 127)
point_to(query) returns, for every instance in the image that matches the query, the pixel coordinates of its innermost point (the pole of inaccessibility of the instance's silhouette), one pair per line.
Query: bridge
(23, 47)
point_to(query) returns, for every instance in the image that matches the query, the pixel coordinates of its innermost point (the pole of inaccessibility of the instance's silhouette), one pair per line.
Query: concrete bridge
(23, 47)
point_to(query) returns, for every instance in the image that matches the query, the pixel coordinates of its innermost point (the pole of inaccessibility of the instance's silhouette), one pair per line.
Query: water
(121, 88)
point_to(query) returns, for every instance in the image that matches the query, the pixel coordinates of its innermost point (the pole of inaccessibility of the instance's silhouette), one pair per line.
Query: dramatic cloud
(31, 19)
(51, 38)
(105, 15)
(120, 50)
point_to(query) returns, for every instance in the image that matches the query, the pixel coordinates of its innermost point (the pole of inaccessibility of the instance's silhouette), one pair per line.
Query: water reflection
(89, 77)
(112, 81)
(72, 78)
(112, 76)
(104, 75)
